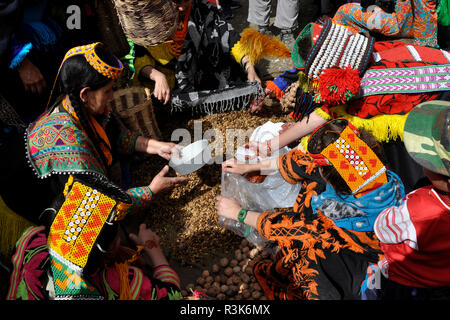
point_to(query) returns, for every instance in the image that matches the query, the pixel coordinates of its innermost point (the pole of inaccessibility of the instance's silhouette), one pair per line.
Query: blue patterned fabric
(359, 214)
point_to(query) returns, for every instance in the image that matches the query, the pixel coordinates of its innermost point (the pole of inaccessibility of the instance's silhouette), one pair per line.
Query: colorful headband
(79, 221)
(112, 72)
(354, 160)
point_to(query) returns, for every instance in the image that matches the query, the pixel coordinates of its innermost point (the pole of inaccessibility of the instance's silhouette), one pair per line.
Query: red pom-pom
(338, 85)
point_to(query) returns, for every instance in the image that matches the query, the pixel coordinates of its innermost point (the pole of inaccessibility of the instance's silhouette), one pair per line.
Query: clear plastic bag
(273, 192)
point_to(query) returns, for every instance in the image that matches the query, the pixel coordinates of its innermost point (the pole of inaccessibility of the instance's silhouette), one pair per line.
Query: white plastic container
(191, 158)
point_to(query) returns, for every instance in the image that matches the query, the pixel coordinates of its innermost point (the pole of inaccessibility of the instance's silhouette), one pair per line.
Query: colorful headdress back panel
(79, 222)
(354, 160)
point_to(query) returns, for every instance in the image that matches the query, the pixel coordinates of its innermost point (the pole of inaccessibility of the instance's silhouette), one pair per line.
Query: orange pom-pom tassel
(338, 85)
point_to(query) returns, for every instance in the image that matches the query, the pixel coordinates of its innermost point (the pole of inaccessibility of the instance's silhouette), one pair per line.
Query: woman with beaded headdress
(78, 136)
(327, 242)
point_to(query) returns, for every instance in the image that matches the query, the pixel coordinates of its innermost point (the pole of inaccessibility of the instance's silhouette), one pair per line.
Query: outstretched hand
(161, 183)
(233, 166)
(145, 237)
(150, 241)
(167, 149)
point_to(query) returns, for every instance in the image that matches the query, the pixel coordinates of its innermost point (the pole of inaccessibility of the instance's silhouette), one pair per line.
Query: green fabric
(427, 137)
(69, 284)
(296, 59)
(443, 13)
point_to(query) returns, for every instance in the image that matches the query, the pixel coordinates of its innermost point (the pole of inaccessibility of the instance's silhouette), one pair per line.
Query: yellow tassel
(303, 81)
(303, 146)
(122, 270)
(322, 114)
(383, 127)
(257, 46)
(125, 290)
(68, 185)
(12, 227)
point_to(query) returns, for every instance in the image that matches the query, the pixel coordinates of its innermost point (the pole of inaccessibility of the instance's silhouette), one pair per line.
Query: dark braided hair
(76, 74)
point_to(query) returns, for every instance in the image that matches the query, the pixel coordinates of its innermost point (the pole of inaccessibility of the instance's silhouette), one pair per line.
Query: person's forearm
(268, 166)
(264, 167)
(149, 72)
(146, 145)
(156, 256)
(297, 131)
(252, 219)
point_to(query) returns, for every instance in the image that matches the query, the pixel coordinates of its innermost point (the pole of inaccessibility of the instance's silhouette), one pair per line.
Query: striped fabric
(18, 259)
(166, 274)
(406, 80)
(415, 240)
(136, 282)
(394, 225)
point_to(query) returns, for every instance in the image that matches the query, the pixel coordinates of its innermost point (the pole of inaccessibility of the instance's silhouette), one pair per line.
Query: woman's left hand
(227, 207)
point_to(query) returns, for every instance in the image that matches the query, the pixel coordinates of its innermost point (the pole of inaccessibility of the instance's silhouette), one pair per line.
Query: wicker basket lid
(147, 22)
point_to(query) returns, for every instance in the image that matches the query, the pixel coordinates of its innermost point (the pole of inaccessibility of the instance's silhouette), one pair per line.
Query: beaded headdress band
(354, 160)
(112, 72)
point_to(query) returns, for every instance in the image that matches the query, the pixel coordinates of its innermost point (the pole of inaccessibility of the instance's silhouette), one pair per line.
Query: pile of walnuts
(230, 279)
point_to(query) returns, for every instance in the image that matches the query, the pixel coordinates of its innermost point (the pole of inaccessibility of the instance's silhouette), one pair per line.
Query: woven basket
(134, 107)
(111, 32)
(147, 22)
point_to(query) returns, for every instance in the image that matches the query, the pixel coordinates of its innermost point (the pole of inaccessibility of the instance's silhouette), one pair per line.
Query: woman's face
(182, 5)
(97, 101)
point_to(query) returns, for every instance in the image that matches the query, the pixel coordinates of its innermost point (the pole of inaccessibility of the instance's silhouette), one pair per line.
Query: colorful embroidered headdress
(89, 52)
(352, 158)
(87, 215)
(337, 59)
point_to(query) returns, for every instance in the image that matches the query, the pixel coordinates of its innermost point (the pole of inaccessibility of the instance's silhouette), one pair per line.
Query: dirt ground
(186, 219)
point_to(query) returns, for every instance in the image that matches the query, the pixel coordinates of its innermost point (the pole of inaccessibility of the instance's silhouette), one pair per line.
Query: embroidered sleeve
(280, 226)
(295, 166)
(163, 284)
(127, 141)
(141, 198)
(165, 273)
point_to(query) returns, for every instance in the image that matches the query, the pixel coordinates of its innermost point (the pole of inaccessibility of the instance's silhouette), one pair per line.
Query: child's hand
(233, 166)
(259, 148)
(150, 241)
(145, 237)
